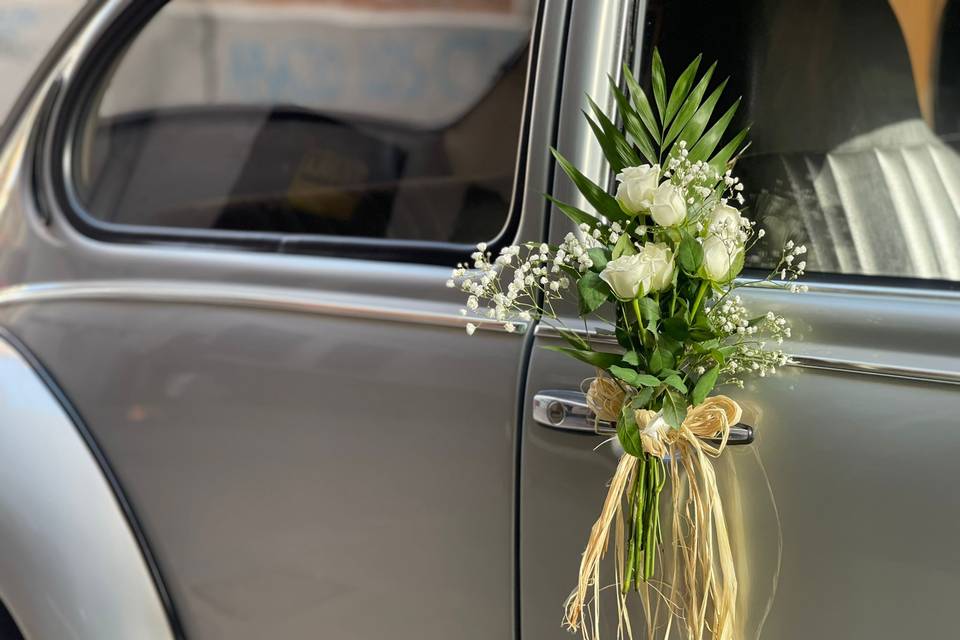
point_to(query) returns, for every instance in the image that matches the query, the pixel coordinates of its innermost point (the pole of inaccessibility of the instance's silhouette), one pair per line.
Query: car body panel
(329, 452)
(71, 565)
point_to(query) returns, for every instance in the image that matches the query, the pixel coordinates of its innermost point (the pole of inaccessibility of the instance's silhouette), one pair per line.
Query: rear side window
(855, 113)
(370, 119)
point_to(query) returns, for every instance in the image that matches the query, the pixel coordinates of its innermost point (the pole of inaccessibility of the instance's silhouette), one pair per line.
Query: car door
(842, 512)
(232, 259)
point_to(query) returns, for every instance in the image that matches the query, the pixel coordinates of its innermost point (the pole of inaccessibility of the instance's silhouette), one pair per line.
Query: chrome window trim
(244, 296)
(804, 362)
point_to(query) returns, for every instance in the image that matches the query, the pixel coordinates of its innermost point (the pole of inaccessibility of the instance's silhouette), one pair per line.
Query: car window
(855, 113)
(369, 119)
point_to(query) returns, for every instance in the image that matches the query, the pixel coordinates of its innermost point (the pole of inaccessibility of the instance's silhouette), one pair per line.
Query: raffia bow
(700, 595)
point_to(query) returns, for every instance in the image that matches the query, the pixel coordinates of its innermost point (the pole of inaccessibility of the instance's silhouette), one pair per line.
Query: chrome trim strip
(234, 295)
(806, 362)
(873, 369)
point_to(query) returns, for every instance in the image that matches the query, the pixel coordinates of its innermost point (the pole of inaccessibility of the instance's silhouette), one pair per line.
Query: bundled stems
(644, 524)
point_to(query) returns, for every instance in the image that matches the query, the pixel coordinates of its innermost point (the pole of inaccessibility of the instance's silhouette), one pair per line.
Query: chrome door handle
(568, 411)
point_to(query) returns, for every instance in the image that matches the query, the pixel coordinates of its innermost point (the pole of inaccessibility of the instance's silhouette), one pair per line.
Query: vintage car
(237, 399)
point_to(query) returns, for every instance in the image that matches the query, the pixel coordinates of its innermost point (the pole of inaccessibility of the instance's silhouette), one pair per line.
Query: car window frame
(825, 280)
(86, 79)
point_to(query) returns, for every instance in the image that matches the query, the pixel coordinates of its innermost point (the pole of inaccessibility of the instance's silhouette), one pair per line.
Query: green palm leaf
(681, 89)
(659, 83)
(605, 204)
(710, 140)
(690, 106)
(642, 104)
(696, 125)
(720, 160)
(633, 124)
(616, 149)
(578, 216)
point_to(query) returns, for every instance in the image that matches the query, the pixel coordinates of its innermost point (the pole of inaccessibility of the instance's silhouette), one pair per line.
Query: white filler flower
(725, 221)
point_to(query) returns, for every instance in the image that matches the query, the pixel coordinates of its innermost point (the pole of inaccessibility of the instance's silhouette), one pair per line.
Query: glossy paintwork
(299, 473)
(70, 565)
(860, 466)
(305, 474)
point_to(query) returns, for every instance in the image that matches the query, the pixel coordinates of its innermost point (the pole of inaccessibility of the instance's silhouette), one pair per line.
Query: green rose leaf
(628, 432)
(660, 359)
(599, 256)
(673, 380)
(705, 385)
(623, 247)
(650, 312)
(676, 327)
(642, 398)
(633, 377)
(593, 292)
(674, 408)
(690, 255)
(599, 359)
(632, 358)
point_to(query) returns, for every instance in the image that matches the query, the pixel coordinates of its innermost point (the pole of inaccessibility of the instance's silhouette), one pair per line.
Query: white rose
(725, 221)
(668, 207)
(627, 276)
(658, 259)
(632, 276)
(637, 186)
(719, 256)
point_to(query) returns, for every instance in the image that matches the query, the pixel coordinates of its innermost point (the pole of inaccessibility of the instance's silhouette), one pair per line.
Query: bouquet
(657, 261)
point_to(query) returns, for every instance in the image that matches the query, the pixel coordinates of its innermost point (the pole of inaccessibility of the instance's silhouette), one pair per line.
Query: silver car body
(308, 446)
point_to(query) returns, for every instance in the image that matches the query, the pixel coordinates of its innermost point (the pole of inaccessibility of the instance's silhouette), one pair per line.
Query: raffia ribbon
(700, 595)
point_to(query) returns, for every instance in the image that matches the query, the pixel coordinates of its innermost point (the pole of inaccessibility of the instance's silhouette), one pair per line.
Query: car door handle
(568, 411)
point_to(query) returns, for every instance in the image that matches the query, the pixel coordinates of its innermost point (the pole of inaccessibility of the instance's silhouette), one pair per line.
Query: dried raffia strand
(701, 594)
(605, 397)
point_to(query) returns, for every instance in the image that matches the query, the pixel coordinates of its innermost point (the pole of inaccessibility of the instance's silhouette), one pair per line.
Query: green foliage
(661, 358)
(600, 256)
(628, 432)
(605, 204)
(674, 408)
(690, 255)
(705, 385)
(578, 216)
(593, 292)
(623, 247)
(599, 359)
(634, 378)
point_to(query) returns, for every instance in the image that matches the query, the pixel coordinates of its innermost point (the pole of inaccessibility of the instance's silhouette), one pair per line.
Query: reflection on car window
(855, 108)
(375, 119)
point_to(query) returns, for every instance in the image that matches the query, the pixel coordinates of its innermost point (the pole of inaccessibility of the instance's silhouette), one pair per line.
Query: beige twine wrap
(700, 595)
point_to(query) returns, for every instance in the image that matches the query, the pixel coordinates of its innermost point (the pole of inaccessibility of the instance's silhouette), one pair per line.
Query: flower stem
(636, 311)
(699, 299)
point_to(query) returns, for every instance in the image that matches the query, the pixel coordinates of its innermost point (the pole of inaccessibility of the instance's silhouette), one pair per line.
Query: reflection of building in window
(406, 64)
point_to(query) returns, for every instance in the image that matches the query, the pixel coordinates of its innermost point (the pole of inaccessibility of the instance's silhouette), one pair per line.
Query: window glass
(855, 113)
(367, 118)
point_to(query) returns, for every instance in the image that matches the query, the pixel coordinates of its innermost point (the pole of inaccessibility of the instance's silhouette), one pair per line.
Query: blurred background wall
(27, 30)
